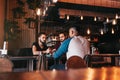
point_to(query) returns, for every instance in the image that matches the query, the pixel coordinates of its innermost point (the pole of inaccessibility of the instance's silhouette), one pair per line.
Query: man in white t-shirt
(76, 45)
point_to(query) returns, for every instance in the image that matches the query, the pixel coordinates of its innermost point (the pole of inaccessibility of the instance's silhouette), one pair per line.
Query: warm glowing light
(62, 16)
(54, 1)
(107, 20)
(103, 75)
(95, 19)
(68, 17)
(113, 31)
(81, 17)
(38, 11)
(114, 22)
(46, 8)
(90, 74)
(101, 32)
(53, 74)
(88, 31)
(116, 16)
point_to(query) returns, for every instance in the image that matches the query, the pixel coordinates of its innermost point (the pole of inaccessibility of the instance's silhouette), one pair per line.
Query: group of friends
(74, 45)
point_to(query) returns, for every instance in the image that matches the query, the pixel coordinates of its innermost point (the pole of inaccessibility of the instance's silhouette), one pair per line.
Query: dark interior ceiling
(53, 12)
(87, 7)
(53, 18)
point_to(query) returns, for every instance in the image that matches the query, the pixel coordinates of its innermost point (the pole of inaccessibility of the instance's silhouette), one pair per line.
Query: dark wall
(112, 47)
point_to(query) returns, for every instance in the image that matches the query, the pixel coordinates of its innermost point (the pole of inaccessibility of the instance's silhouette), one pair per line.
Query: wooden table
(43, 61)
(112, 73)
(29, 60)
(91, 56)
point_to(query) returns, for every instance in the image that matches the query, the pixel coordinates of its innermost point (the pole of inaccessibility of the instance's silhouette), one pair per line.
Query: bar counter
(104, 73)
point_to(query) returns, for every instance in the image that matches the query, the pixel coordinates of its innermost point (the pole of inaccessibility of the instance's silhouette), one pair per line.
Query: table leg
(30, 65)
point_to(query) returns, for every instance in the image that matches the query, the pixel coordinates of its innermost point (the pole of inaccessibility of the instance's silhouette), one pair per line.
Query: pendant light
(54, 1)
(101, 32)
(107, 20)
(88, 31)
(81, 17)
(113, 31)
(95, 19)
(38, 11)
(116, 16)
(68, 17)
(114, 22)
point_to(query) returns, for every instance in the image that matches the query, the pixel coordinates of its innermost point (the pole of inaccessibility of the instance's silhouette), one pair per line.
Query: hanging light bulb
(68, 17)
(54, 1)
(62, 17)
(107, 20)
(46, 8)
(38, 11)
(81, 17)
(116, 16)
(95, 19)
(114, 22)
(88, 31)
(101, 32)
(113, 31)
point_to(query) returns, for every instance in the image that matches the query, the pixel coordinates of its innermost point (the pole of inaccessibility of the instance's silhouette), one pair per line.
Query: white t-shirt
(78, 46)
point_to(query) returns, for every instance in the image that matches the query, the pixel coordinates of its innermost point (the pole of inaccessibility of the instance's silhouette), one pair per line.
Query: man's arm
(62, 49)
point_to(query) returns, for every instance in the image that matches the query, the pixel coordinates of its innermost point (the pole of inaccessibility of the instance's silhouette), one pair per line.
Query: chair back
(75, 62)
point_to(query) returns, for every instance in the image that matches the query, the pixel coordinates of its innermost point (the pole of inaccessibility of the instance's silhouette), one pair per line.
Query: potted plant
(11, 30)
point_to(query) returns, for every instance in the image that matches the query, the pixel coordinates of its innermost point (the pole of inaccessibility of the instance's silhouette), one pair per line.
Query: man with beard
(40, 46)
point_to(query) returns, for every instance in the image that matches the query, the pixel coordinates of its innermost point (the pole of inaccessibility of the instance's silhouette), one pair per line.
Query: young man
(59, 63)
(62, 37)
(40, 46)
(76, 45)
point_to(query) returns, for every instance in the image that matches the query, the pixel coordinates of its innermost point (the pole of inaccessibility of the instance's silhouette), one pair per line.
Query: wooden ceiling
(103, 3)
(99, 8)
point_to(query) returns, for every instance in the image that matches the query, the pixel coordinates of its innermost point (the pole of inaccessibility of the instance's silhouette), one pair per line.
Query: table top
(28, 57)
(109, 73)
(21, 76)
(22, 57)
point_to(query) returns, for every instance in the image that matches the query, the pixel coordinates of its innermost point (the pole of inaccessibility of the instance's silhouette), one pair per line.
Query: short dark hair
(41, 33)
(77, 28)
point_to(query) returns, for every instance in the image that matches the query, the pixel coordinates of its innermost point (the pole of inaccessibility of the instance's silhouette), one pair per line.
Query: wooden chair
(75, 62)
(41, 63)
(5, 65)
(98, 61)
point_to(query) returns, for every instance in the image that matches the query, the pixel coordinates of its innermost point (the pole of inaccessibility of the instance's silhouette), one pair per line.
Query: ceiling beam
(102, 3)
(63, 12)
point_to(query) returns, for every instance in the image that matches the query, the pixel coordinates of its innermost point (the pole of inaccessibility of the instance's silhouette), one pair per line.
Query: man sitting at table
(76, 45)
(40, 45)
(59, 63)
(62, 37)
